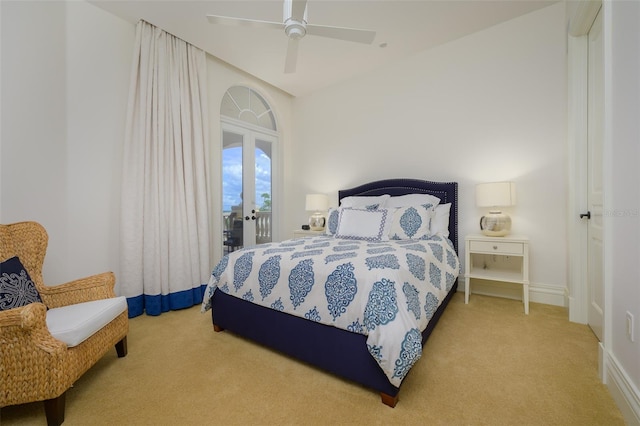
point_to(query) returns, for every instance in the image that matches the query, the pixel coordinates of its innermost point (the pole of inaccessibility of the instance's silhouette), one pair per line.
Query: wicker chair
(34, 366)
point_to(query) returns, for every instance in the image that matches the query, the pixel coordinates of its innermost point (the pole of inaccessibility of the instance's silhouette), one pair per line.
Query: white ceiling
(406, 27)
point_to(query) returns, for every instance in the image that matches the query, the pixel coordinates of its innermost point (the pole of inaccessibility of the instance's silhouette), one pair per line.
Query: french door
(247, 183)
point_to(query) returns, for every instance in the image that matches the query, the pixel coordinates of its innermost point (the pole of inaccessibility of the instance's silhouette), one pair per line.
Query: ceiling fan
(294, 23)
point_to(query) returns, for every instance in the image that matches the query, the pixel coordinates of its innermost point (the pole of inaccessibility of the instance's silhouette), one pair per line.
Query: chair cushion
(73, 324)
(16, 287)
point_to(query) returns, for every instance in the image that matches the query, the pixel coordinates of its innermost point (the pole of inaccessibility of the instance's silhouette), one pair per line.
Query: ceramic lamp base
(495, 224)
(317, 222)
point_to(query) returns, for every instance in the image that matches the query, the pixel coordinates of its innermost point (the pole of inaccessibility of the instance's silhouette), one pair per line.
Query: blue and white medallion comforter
(386, 290)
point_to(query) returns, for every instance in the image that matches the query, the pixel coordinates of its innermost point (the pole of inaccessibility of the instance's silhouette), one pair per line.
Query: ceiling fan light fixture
(295, 30)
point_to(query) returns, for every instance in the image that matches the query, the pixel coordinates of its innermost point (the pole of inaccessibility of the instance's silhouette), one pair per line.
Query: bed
(345, 351)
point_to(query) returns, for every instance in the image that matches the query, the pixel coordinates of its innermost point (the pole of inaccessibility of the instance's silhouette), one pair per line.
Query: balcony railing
(263, 228)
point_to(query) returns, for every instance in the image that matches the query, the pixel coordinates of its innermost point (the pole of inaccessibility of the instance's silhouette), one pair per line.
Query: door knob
(587, 215)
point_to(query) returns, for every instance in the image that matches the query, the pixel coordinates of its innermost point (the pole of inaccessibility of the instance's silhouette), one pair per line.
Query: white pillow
(440, 222)
(363, 224)
(370, 203)
(412, 200)
(412, 222)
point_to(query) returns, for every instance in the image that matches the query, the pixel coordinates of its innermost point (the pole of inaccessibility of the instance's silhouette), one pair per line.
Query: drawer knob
(495, 247)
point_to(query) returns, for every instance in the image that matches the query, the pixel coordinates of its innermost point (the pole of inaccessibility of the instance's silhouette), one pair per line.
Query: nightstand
(490, 258)
(301, 233)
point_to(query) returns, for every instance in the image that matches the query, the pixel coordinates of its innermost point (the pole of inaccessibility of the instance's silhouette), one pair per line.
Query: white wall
(622, 247)
(65, 81)
(490, 106)
(98, 69)
(34, 132)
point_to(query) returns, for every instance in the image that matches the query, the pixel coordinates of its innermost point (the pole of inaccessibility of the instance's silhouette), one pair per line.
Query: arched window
(245, 104)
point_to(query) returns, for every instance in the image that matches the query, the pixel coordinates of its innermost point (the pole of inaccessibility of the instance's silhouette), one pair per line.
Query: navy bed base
(334, 350)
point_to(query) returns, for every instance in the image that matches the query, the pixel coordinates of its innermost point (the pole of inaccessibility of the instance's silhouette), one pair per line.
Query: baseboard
(622, 389)
(538, 293)
(547, 294)
(577, 313)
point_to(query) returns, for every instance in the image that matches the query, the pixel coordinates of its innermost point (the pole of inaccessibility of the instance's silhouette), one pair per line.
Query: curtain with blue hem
(165, 231)
(157, 304)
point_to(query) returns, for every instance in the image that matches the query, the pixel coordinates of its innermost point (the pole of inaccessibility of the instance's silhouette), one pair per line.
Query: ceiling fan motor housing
(295, 29)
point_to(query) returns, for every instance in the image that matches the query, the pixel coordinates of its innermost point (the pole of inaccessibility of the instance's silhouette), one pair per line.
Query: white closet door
(595, 131)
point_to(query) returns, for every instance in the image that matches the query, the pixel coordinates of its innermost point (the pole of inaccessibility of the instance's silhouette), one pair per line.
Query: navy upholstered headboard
(446, 191)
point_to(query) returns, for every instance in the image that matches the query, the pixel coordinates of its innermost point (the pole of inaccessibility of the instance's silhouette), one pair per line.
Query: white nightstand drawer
(497, 247)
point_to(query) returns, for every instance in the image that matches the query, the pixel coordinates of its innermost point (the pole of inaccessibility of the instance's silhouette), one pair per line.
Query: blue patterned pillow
(16, 287)
(332, 221)
(412, 222)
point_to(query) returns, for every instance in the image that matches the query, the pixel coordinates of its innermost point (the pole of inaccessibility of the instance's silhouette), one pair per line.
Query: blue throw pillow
(16, 287)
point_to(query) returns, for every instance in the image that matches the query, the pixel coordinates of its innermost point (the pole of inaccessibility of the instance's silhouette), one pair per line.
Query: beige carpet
(485, 364)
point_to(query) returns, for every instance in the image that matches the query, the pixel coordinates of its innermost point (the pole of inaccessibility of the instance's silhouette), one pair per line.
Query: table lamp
(495, 195)
(317, 203)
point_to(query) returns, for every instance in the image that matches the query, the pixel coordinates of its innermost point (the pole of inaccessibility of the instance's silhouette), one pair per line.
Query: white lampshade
(496, 194)
(317, 202)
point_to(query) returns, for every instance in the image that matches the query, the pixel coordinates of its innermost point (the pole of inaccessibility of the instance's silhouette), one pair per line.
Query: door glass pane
(232, 191)
(263, 191)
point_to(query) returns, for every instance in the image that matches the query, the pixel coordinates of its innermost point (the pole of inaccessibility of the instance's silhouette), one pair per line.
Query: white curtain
(165, 217)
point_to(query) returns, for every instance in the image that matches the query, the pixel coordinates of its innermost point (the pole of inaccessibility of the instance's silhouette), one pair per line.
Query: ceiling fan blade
(292, 56)
(297, 9)
(228, 20)
(348, 34)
